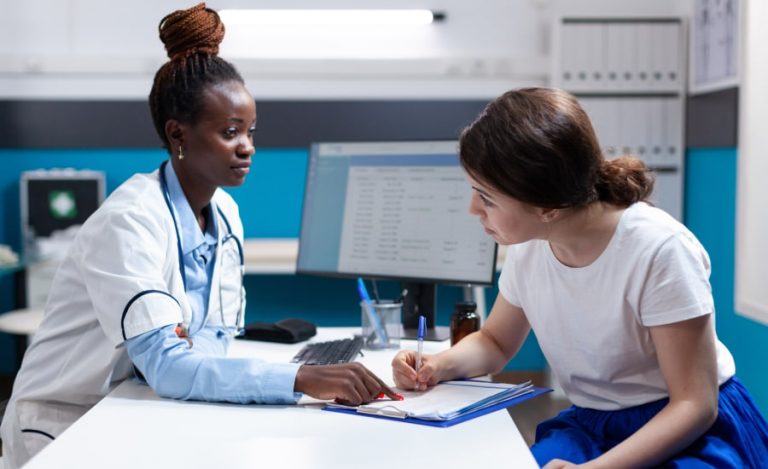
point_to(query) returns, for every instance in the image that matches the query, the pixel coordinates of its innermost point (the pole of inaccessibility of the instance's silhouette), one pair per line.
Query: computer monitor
(394, 210)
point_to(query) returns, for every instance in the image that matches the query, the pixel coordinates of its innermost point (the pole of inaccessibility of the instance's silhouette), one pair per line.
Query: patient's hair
(192, 39)
(538, 146)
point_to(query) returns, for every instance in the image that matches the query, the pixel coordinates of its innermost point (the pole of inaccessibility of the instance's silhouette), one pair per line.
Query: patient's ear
(549, 214)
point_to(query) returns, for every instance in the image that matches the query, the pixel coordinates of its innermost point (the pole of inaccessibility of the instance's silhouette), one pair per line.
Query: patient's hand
(404, 371)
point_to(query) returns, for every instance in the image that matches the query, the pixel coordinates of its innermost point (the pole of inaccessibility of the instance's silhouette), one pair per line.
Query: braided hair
(192, 39)
(537, 145)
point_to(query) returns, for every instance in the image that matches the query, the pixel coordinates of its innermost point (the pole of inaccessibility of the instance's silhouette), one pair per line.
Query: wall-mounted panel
(292, 124)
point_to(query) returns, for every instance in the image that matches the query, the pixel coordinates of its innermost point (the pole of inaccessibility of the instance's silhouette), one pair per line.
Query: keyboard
(330, 352)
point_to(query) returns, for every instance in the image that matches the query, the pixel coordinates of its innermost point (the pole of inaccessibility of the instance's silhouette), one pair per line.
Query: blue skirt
(737, 439)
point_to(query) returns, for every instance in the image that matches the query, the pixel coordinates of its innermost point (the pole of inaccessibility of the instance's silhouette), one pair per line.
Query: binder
(659, 50)
(644, 56)
(614, 58)
(656, 132)
(592, 48)
(446, 404)
(569, 59)
(641, 139)
(673, 127)
(671, 34)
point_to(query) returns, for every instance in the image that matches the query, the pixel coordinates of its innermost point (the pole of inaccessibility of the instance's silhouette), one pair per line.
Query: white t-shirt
(592, 322)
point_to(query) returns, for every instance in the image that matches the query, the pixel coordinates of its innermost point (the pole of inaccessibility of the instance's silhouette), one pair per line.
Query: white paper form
(715, 44)
(447, 400)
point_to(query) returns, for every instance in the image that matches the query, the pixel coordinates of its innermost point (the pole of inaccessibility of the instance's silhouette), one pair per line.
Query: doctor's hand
(404, 371)
(347, 383)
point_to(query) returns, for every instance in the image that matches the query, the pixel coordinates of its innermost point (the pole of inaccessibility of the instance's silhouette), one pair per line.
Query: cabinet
(629, 75)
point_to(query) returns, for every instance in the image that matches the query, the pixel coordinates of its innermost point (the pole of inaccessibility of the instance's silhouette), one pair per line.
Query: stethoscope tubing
(229, 235)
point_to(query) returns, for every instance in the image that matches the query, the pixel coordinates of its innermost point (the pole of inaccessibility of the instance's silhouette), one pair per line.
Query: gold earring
(181, 154)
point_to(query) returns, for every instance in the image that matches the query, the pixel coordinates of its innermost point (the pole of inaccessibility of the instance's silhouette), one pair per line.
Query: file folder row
(620, 56)
(629, 75)
(649, 128)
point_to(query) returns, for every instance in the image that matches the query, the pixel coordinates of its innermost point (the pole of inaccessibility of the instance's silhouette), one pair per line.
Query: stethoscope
(237, 328)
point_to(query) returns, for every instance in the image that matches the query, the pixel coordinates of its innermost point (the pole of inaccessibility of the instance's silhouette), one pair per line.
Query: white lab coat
(120, 279)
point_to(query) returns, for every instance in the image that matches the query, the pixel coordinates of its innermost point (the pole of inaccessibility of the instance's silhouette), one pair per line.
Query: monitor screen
(394, 210)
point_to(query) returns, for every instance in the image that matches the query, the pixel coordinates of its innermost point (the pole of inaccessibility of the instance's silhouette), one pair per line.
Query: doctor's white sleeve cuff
(147, 311)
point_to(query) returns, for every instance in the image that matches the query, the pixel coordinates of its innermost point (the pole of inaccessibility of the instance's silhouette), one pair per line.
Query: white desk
(133, 428)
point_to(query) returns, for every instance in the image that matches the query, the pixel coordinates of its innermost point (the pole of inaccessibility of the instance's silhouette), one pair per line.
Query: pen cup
(382, 324)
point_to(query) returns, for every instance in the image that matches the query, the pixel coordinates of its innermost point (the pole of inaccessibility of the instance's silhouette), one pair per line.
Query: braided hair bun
(192, 39)
(195, 30)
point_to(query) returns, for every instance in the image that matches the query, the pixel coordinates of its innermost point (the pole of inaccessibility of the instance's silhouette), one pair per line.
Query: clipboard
(498, 404)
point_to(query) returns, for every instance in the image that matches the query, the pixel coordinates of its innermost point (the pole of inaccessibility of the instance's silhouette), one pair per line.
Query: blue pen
(420, 343)
(373, 318)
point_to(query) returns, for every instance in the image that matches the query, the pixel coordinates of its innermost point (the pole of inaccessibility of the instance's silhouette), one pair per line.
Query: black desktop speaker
(420, 300)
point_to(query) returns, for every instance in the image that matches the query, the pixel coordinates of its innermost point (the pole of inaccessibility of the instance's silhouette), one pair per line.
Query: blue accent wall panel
(710, 212)
(270, 200)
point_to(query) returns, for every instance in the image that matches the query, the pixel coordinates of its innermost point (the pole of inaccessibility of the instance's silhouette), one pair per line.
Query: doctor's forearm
(175, 371)
(211, 341)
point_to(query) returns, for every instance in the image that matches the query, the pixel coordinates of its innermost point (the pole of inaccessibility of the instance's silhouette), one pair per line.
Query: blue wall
(710, 212)
(270, 204)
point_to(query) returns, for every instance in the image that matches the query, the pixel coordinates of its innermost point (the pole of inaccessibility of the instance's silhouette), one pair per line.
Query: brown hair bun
(187, 32)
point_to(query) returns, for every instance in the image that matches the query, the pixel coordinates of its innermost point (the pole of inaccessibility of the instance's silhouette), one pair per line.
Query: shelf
(278, 255)
(270, 255)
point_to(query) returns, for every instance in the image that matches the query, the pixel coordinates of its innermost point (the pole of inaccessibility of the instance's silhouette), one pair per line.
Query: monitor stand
(421, 300)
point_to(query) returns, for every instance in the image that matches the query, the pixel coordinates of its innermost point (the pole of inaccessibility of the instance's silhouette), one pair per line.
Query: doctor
(152, 286)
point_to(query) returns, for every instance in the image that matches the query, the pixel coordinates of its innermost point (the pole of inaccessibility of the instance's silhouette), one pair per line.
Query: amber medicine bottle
(464, 320)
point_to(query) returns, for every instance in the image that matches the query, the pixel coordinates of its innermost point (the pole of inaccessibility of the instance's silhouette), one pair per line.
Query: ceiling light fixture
(329, 17)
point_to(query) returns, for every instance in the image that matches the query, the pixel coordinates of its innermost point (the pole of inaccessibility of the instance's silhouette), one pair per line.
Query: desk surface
(133, 428)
